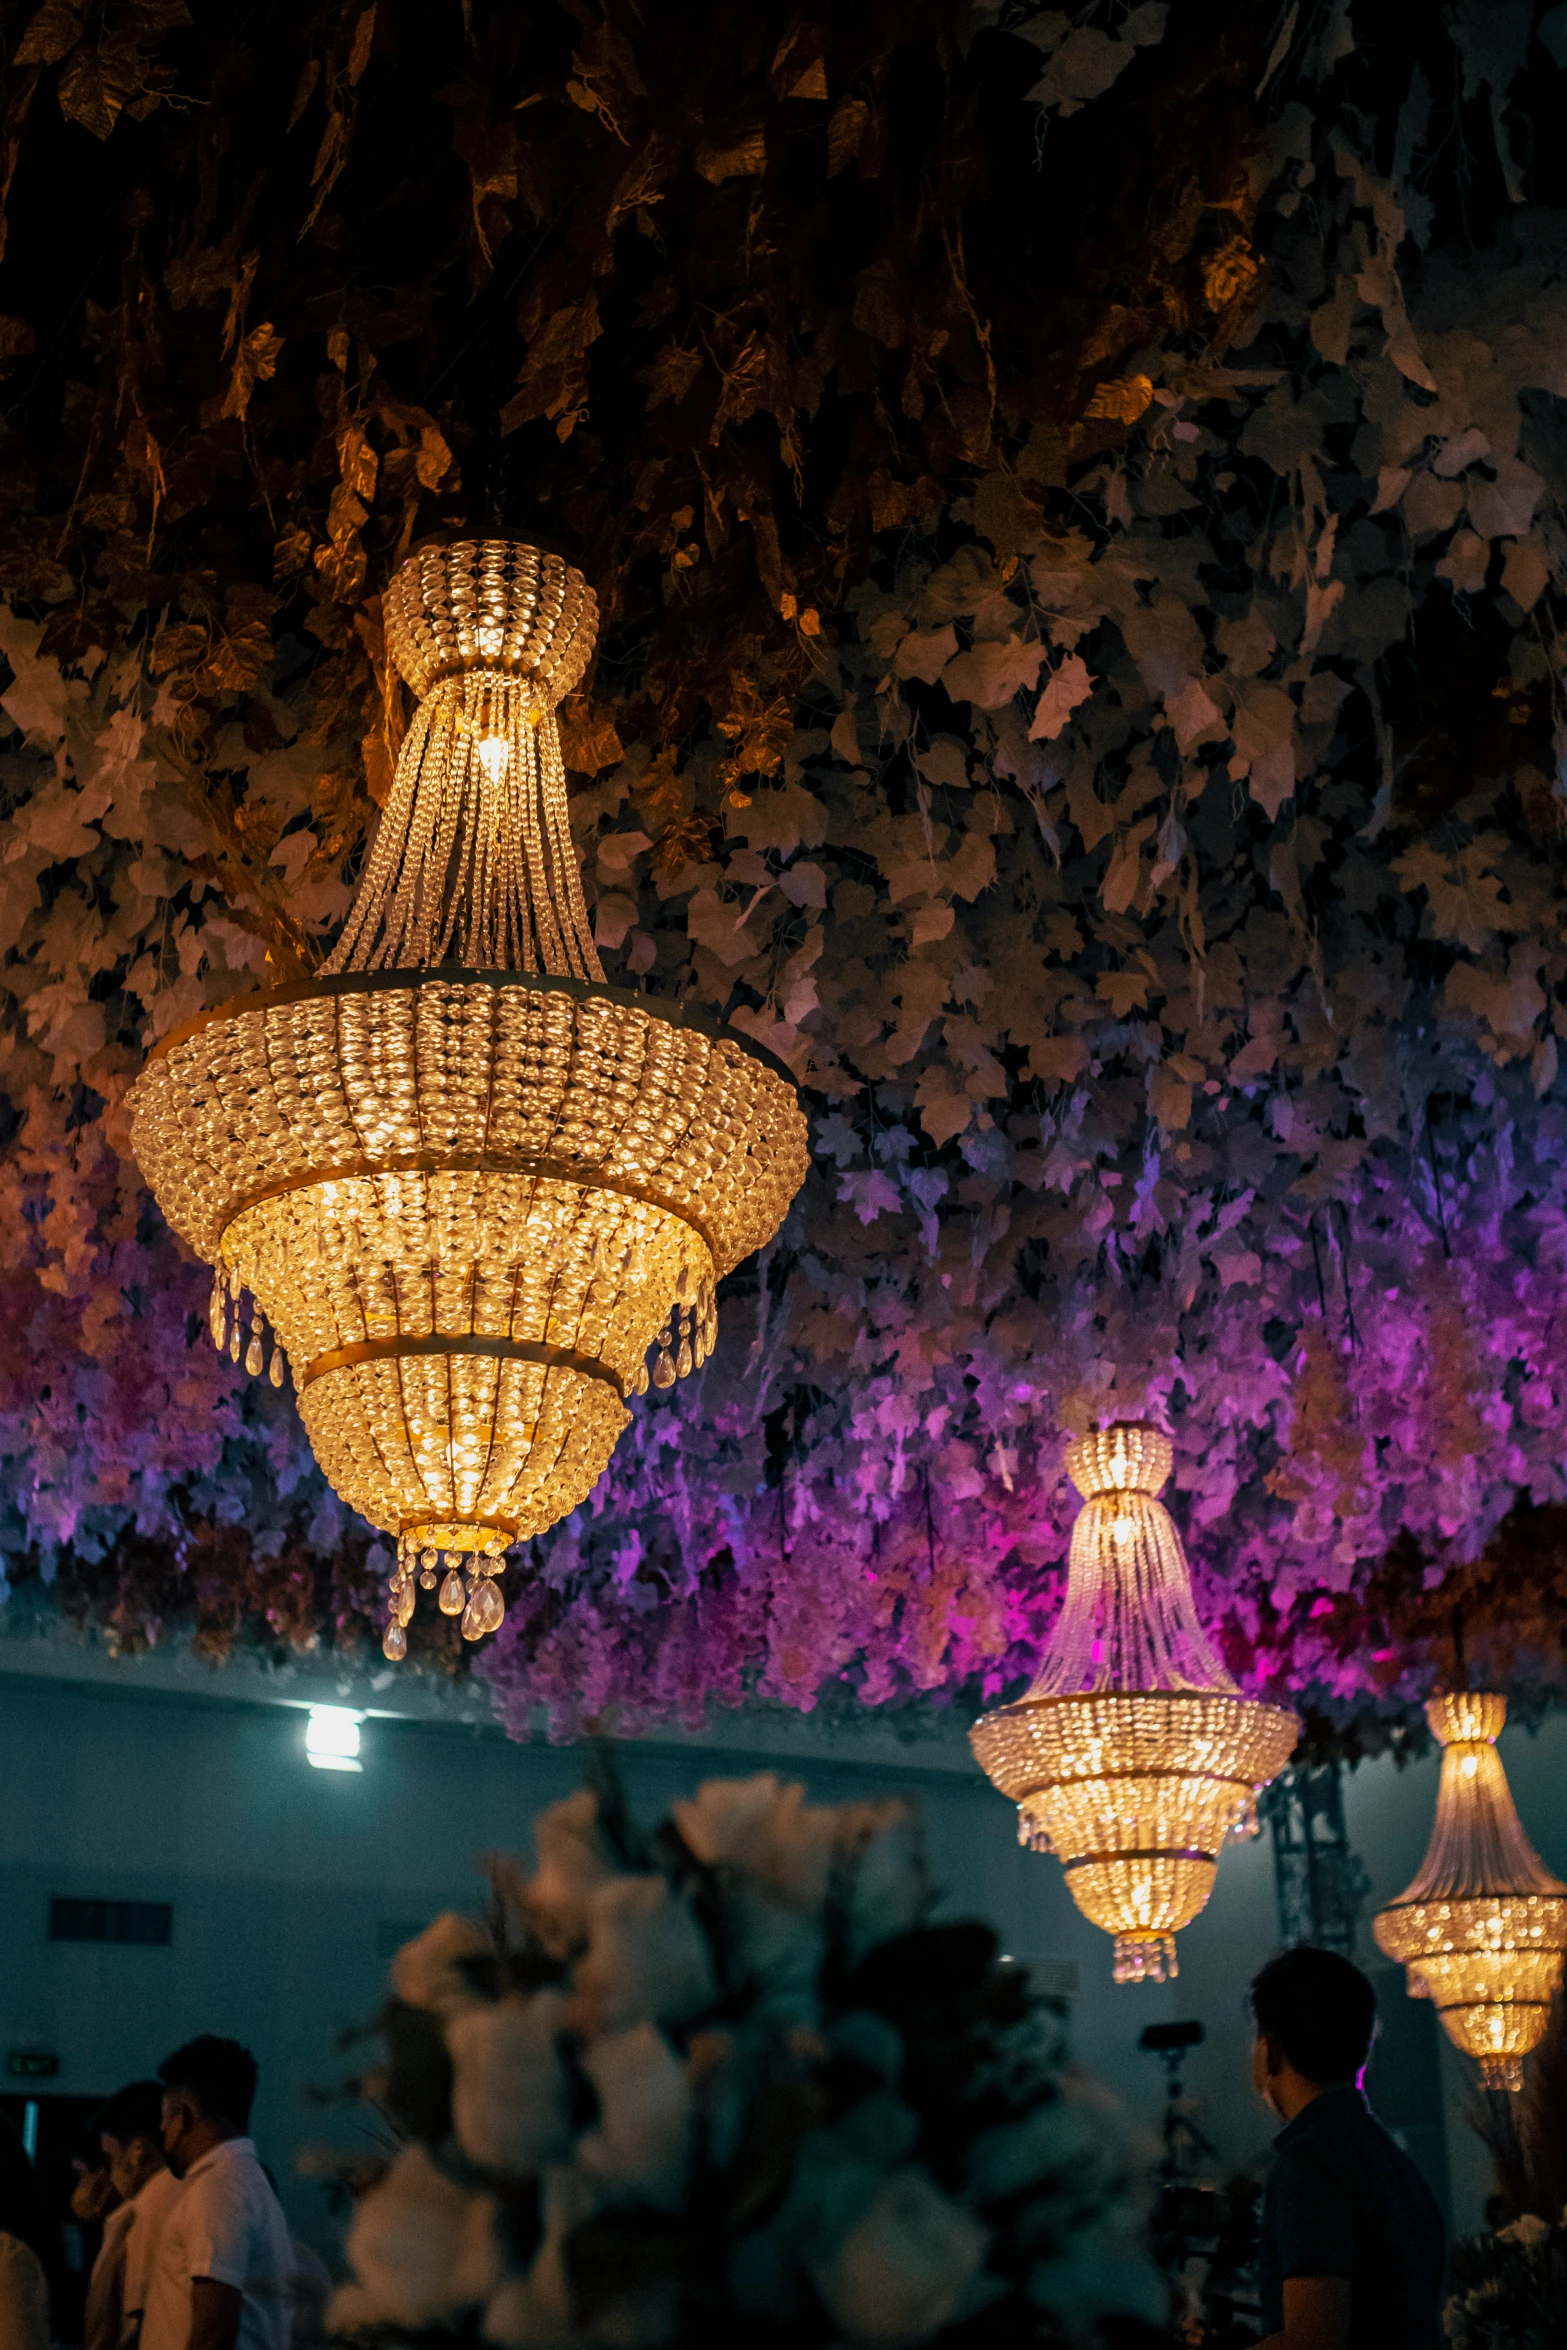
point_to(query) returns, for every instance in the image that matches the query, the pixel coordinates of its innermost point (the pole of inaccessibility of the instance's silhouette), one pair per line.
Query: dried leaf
(254, 362)
(1231, 274)
(1068, 686)
(760, 731)
(681, 843)
(1121, 398)
(589, 741)
(671, 375)
(846, 133)
(16, 341)
(49, 35)
(739, 153)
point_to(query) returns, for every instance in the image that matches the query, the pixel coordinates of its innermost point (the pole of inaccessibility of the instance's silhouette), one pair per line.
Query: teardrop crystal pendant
(453, 1599)
(394, 1644)
(485, 1612)
(276, 1367)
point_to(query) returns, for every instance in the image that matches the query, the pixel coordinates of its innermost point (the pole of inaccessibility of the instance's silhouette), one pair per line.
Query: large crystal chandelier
(1483, 1928)
(1133, 1756)
(465, 1185)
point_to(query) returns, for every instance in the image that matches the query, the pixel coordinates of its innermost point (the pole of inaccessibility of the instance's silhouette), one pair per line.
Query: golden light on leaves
(1230, 274)
(759, 730)
(589, 739)
(738, 154)
(1121, 399)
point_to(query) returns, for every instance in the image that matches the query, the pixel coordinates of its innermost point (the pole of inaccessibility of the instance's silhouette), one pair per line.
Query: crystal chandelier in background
(1483, 1928)
(1133, 1756)
(467, 1185)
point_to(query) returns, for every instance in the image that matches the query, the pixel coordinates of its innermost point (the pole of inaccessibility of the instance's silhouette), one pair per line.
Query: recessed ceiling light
(332, 1738)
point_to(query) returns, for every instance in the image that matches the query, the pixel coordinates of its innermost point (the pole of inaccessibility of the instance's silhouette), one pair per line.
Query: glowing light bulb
(494, 756)
(332, 1737)
(1123, 1530)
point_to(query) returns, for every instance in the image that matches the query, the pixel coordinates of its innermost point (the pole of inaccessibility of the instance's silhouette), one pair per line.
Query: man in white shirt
(129, 2131)
(223, 2263)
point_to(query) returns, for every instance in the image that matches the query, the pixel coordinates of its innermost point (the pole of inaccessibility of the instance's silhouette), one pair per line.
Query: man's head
(208, 2088)
(1316, 2017)
(129, 2129)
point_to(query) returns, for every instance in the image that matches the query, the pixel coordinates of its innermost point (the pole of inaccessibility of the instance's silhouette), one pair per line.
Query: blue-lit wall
(286, 1884)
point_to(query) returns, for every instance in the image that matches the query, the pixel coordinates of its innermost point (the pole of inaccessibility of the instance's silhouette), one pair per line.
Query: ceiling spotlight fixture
(332, 1738)
(1134, 1755)
(465, 1186)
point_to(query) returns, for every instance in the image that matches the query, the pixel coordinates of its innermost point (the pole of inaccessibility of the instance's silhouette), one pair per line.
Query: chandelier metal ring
(506, 1526)
(1486, 2007)
(594, 1178)
(1089, 1860)
(499, 1350)
(1139, 1772)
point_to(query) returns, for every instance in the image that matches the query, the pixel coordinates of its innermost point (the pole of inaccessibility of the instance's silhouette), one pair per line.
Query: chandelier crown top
(473, 862)
(495, 605)
(1478, 1848)
(1466, 1717)
(1130, 1456)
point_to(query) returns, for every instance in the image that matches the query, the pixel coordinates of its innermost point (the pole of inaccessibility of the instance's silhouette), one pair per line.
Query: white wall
(283, 1879)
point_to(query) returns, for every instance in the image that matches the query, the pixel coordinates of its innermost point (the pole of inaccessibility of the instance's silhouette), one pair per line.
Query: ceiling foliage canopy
(1078, 513)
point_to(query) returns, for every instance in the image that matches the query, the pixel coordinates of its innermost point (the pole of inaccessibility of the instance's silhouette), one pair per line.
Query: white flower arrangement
(1509, 2290)
(728, 2080)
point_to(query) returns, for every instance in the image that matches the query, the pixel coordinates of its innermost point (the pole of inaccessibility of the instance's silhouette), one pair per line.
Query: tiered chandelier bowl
(1133, 1756)
(468, 1185)
(1483, 1928)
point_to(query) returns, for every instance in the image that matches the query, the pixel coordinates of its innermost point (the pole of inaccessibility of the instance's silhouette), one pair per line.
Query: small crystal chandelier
(1133, 1756)
(467, 1186)
(1483, 1928)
